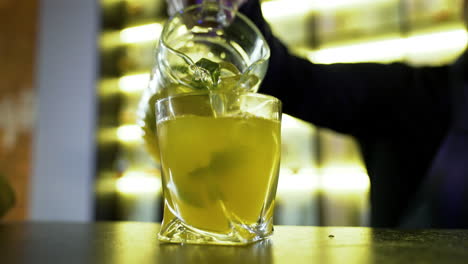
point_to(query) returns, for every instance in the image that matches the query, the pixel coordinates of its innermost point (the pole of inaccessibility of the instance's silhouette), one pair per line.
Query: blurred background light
(344, 178)
(143, 33)
(371, 51)
(134, 83)
(434, 41)
(282, 8)
(436, 47)
(278, 9)
(304, 180)
(342, 4)
(444, 43)
(129, 133)
(288, 121)
(333, 178)
(138, 182)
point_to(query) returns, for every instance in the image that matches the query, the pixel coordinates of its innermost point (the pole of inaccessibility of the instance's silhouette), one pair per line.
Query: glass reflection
(258, 253)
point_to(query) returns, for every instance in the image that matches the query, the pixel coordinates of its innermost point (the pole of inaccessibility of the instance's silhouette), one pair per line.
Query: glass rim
(244, 18)
(199, 93)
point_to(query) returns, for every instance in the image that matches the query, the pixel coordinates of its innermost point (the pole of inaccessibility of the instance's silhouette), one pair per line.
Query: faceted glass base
(175, 231)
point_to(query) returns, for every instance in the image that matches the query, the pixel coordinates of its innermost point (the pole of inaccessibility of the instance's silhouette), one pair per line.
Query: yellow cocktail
(220, 170)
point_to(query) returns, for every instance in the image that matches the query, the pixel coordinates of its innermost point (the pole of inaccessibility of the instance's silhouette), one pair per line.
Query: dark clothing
(445, 191)
(400, 115)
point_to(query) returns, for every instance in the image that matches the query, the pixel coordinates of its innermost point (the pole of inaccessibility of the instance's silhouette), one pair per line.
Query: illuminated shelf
(345, 31)
(130, 85)
(145, 33)
(128, 134)
(277, 9)
(435, 46)
(138, 182)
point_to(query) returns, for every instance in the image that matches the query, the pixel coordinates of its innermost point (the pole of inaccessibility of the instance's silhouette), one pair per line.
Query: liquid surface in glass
(203, 75)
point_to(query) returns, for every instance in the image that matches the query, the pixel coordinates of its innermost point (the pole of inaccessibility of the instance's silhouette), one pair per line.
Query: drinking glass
(220, 155)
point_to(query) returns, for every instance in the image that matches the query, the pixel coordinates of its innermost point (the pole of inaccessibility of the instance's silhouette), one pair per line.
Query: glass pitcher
(203, 48)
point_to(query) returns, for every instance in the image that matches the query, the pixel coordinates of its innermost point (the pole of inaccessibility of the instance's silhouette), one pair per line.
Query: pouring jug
(203, 48)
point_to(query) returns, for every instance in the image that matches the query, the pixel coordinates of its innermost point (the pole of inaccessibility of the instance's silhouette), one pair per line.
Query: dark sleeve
(357, 99)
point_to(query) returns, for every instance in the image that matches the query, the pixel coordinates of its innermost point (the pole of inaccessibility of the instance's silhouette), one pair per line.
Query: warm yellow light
(342, 4)
(305, 180)
(144, 33)
(109, 39)
(106, 135)
(129, 133)
(288, 8)
(285, 8)
(109, 1)
(445, 41)
(394, 49)
(290, 122)
(136, 182)
(349, 179)
(373, 51)
(134, 83)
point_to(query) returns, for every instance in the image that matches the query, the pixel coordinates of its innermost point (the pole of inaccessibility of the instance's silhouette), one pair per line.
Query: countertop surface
(131, 242)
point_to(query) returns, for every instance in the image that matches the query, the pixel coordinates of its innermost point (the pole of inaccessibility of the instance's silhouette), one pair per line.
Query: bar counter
(131, 242)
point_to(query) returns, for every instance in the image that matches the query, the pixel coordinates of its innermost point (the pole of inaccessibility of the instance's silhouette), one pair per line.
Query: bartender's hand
(177, 5)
